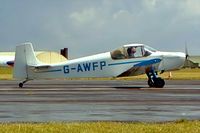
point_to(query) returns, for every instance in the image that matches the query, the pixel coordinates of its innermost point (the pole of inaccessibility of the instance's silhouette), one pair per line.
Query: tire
(21, 85)
(159, 83)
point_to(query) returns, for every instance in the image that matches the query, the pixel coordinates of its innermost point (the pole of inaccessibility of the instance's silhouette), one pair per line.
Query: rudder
(24, 57)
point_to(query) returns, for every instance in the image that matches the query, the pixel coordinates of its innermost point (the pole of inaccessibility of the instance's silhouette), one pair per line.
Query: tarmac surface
(113, 100)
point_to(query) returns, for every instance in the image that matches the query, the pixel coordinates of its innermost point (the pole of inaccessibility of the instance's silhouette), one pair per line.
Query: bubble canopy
(140, 50)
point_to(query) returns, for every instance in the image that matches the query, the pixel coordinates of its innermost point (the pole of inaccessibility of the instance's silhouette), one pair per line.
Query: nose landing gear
(154, 80)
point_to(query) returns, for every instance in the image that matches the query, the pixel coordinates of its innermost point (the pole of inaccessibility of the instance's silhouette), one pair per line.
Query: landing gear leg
(154, 80)
(22, 83)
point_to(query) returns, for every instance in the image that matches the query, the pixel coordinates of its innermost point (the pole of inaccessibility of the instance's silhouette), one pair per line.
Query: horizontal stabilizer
(40, 67)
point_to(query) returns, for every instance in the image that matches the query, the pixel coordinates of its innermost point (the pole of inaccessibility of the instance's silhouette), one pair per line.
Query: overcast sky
(92, 26)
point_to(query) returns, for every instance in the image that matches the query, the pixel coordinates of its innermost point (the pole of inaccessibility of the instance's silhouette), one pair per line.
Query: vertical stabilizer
(24, 57)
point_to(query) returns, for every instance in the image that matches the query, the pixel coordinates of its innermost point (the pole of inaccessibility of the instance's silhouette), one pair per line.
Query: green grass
(191, 74)
(6, 70)
(102, 127)
(6, 73)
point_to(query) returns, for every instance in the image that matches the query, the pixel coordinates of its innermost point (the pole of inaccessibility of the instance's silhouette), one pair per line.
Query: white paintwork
(171, 60)
(133, 45)
(101, 65)
(6, 58)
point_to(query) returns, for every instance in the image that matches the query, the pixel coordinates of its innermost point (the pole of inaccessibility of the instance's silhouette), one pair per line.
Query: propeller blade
(189, 64)
(186, 51)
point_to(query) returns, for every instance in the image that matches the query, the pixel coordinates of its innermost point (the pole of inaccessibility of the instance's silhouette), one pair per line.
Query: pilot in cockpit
(131, 52)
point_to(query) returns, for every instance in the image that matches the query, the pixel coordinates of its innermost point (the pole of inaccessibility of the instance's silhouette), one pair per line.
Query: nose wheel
(154, 80)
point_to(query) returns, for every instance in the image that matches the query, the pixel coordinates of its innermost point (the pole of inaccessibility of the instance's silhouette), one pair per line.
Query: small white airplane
(7, 60)
(129, 60)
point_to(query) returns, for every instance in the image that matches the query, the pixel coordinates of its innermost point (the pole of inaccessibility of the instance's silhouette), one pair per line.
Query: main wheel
(159, 83)
(21, 85)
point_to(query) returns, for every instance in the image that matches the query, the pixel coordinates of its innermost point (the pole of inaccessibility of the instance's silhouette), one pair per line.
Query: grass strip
(181, 126)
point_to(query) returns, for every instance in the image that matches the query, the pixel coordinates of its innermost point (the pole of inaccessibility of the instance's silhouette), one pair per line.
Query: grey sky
(92, 26)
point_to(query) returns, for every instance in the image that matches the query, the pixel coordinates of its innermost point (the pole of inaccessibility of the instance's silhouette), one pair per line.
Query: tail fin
(24, 57)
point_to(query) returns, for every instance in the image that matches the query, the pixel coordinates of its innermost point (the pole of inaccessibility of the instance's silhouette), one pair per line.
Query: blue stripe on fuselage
(122, 63)
(140, 63)
(58, 70)
(148, 62)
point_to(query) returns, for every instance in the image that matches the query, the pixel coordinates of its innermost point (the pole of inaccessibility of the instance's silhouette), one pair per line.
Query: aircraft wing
(140, 68)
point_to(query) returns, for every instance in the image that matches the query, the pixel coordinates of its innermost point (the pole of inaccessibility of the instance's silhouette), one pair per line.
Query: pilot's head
(131, 51)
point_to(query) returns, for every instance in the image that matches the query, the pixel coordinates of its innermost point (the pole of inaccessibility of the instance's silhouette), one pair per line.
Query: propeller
(186, 52)
(188, 63)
